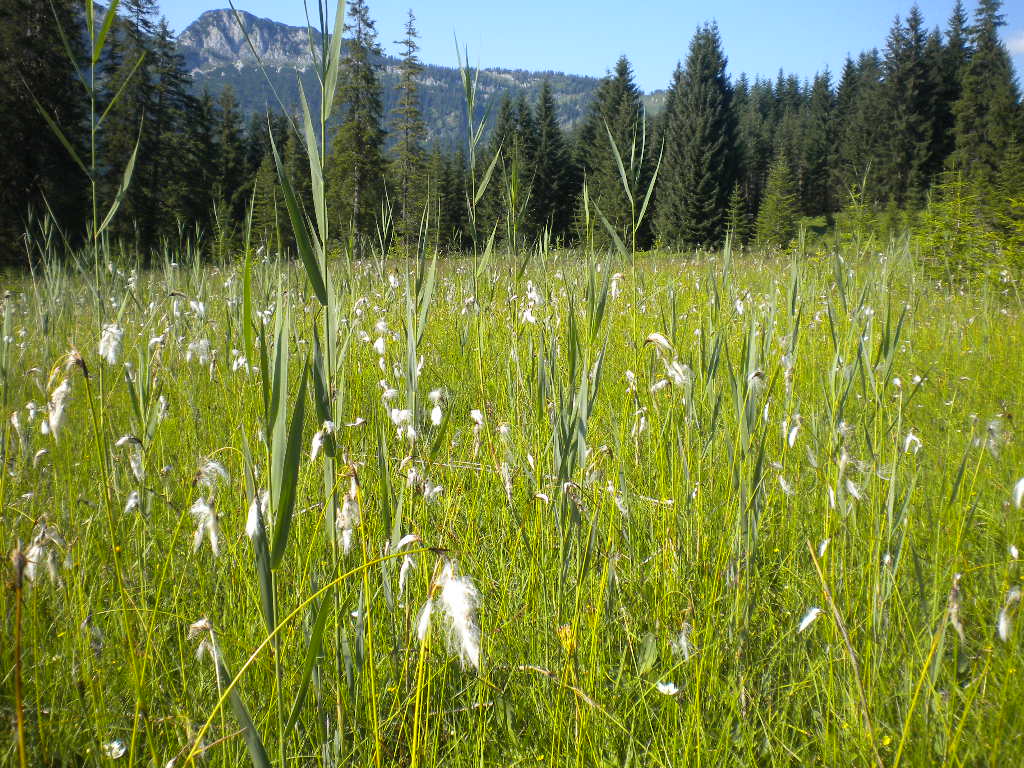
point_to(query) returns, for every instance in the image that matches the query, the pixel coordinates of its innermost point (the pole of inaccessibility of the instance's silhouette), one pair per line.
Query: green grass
(592, 544)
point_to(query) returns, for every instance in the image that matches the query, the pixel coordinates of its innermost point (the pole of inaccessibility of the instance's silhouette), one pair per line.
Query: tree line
(751, 157)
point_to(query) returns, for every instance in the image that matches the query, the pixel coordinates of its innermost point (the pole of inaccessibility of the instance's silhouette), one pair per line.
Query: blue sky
(800, 36)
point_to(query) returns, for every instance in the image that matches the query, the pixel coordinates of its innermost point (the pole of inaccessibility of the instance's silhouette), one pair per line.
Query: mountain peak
(216, 40)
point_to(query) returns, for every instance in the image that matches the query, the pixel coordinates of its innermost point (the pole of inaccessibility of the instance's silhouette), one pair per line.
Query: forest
(905, 139)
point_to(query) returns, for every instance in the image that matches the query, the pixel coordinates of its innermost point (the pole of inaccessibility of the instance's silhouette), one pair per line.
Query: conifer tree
(776, 221)
(986, 111)
(230, 183)
(738, 221)
(909, 99)
(817, 152)
(861, 130)
(409, 164)
(699, 162)
(955, 55)
(552, 170)
(34, 67)
(355, 170)
(617, 110)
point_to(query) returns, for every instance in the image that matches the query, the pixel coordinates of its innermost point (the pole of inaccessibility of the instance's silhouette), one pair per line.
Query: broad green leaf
(288, 473)
(302, 242)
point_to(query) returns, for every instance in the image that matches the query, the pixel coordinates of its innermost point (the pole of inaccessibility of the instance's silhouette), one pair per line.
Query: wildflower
(785, 486)
(203, 630)
(1018, 493)
(911, 443)
(852, 489)
(114, 749)
(528, 316)
(661, 343)
(432, 491)
(327, 428)
(953, 608)
(43, 551)
(58, 402)
(1004, 624)
(614, 289)
(198, 308)
(198, 351)
(667, 689)
(794, 431)
(211, 474)
(349, 517)
(423, 621)
(132, 503)
(110, 343)
(809, 618)
(378, 346)
(682, 645)
(206, 525)
(257, 514)
(459, 599)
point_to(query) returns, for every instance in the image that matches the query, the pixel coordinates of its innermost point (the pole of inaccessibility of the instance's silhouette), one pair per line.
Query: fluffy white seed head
(809, 618)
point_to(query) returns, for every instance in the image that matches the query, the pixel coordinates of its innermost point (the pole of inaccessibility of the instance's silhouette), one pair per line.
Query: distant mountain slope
(218, 55)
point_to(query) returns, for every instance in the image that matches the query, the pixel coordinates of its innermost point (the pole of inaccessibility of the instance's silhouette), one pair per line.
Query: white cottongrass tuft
(347, 520)
(257, 514)
(207, 526)
(211, 474)
(423, 621)
(327, 428)
(110, 343)
(202, 630)
(58, 403)
(114, 749)
(198, 351)
(911, 443)
(132, 503)
(682, 645)
(809, 618)
(667, 689)
(1018, 494)
(1004, 624)
(459, 599)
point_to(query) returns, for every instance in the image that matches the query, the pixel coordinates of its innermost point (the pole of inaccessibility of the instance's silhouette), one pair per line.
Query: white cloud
(1015, 43)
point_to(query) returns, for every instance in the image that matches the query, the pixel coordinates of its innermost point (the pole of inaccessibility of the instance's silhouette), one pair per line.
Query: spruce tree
(699, 162)
(355, 169)
(34, 67)
(986, 111)
(230, 183)
(409, 164)
(617, 110)
(862, 130)
(818, 140)
(776, 221)
(553, 171)
(910, 114)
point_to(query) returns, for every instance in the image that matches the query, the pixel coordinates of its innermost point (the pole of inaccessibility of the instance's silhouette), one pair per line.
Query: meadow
(561, 509)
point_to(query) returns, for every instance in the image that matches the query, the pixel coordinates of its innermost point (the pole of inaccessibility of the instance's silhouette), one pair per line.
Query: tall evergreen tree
(36, 170)
(231, 182)
(699, 162)
(355, 172)
(986, 111)
(816, 192)
(553, 171)
(409, 164)
(910, 112)
(776, 221)
(617, 110)
(955, 55)
(861, 130)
